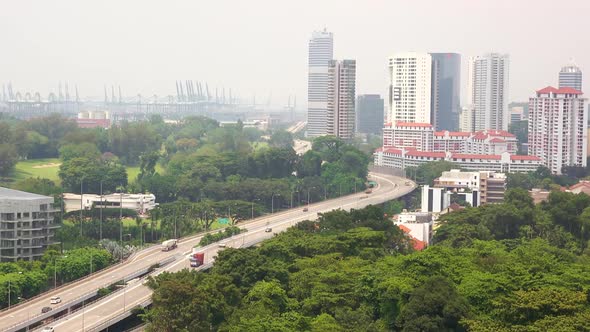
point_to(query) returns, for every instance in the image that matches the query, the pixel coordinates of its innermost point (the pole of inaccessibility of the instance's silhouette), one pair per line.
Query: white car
(48, 329)
(55, 300)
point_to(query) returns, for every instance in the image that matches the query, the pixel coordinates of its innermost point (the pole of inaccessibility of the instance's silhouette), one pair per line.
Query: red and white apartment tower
(558, 128)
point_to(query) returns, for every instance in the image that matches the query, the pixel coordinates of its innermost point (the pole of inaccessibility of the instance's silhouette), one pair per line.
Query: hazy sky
(260, 46)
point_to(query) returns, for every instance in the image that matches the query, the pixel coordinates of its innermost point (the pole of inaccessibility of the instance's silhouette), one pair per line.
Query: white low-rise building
(138, 202)
(418, 225)
(505, 163)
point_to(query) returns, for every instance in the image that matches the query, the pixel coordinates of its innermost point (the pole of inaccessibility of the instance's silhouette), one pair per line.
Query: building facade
(321, 48)
(27, 225)
(410, 81)
(446, 90)
(467, 119)
(404, 134)
(141, 203)
(570, 77)
(488, 91)
(422, 137)
(340, 118)
(369, 114)
(401, 158)
(558, 131)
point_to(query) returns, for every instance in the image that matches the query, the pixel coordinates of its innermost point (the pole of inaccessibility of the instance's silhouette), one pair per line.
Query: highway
(389, 187)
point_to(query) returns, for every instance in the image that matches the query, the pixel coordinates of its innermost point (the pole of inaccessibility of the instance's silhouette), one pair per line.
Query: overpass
(116, 306)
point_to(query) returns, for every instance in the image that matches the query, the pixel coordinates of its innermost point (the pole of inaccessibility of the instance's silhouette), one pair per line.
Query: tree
(328, 147)
(281, 139)
(310, 164)
(38, 186)
(8, 158)
(434, 306)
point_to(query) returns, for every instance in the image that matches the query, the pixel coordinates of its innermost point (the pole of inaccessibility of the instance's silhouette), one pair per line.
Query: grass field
(133, 171)
(48, 168)
(43, 168)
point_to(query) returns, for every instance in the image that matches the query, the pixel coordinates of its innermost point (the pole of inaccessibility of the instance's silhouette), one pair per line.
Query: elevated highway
(109, 310)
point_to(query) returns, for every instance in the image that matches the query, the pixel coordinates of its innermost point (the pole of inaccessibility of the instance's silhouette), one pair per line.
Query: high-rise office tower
(369, 114)
(467, 119)
(570, 76)
(488, 91)
(321, 47)
(410, 81)
(446, 85)
(341, 94)
(558, 131)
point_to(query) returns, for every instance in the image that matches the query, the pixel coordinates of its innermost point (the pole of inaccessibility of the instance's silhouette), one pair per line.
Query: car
(55, 300)
(45, 309)
(305, 209)
(222, 245)
(48, 329)
(268, 230)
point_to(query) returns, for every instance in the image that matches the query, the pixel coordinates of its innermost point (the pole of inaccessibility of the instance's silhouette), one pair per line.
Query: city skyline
(243, 53)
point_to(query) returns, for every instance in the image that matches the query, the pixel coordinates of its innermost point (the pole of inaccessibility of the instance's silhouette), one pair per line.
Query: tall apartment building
(570, 76)
(558, 132)
(488, 91)
(340, 118)
(467, 119)
(369, 114)
(321, 48)
(446, 88)
(410, 81)
(27, 225)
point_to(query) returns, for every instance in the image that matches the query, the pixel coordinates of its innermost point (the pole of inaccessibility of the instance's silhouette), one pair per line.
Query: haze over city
(260, 47)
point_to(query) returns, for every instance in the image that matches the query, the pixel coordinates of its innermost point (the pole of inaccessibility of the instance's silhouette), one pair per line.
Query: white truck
(169, 244)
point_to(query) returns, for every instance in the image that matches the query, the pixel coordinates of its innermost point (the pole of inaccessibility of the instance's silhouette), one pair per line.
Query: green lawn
(43, 168)
(133, 171)
(48, 168)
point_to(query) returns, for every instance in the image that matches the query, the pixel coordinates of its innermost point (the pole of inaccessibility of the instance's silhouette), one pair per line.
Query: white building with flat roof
(558, 128)
(321, 50)
(341, 99)
(488, 91)
(410, 87)
(137, 202)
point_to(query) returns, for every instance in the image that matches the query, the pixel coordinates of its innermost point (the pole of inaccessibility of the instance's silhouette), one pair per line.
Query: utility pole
(121, 219)
(81, 203)
(100, 225)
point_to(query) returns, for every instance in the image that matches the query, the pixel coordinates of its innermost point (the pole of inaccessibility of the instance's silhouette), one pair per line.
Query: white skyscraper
(410, 91)
(558, 131)
(570, 76)
(321, 46)
(488, 91)
(341, 98)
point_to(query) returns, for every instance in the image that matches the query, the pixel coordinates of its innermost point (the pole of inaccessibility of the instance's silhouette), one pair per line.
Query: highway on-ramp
(135, 293)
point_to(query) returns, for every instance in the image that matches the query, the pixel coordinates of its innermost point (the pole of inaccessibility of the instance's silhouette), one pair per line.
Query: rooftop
(6, 193)
(413, 124)
(565, 90)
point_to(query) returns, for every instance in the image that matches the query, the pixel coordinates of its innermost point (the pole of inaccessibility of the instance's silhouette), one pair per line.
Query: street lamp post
(9, 289)
(121, 219)
(257, 199)
(291, 206)
(272, 203)
(100, 224)
(81, 203)
(308, 197)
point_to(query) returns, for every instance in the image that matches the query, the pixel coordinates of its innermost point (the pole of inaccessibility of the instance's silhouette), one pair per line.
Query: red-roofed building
(580, 187)
(418, 226)
(558, 128)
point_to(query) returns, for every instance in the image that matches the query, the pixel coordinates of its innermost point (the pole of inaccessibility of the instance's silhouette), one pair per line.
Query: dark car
(46, 309)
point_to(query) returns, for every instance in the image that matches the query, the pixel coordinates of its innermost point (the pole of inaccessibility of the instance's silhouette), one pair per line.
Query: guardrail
(106, 324)
(66, 306)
